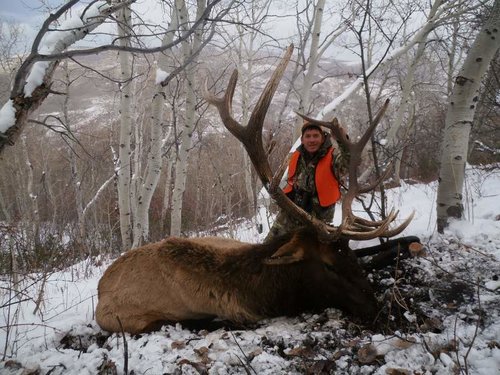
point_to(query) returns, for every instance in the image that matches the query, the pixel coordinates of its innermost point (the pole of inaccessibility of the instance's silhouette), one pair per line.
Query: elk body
(181, 279)
(310, 269)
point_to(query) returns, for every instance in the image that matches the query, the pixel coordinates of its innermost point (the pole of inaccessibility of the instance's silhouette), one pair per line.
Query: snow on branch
(485, 148)
(33, 79)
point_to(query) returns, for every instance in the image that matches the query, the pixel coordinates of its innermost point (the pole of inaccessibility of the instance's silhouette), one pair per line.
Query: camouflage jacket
(304, 192)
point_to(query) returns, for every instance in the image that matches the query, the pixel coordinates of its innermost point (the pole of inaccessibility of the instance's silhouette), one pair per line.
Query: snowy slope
(442, 314)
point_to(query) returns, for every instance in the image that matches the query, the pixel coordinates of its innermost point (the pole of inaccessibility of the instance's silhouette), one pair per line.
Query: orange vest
(327, 185)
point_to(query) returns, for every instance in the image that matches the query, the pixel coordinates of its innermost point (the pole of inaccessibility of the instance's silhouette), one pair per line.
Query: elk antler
(250, 136)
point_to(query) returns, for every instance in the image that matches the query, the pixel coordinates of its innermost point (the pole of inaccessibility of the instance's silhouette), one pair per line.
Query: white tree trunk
(124, 178)
(182, 161)
(156, 142)
(33, 213)
(152, 171)
(453, 50)
(167, 192)
(305, 92)
(189, 121)
(75, 176)
(136, 160)
(459, 117)
(394, 143)
(316, 51)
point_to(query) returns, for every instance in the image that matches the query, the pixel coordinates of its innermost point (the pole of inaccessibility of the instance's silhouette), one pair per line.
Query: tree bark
(305, 92)
(33, 214)
(124, 178)
(157, 139)
(459, 117)
(189, 121)
(394, 143)
(167, 192)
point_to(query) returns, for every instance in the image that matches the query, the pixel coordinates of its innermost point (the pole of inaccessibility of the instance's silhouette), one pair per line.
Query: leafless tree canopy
(62, 154)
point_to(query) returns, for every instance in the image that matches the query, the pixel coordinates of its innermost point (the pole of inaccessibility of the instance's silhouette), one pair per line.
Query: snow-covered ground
(442, 314)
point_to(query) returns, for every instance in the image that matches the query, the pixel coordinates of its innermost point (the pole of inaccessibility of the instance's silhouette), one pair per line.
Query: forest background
(124, 150)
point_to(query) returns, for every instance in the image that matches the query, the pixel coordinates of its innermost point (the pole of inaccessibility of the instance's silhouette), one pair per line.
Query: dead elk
(309, 269)
(181, 279)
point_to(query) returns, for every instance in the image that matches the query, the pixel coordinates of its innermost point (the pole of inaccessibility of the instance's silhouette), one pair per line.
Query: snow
(35, 77)
(58, 40)
(7, 116)
(161, 75)
(461, 333)
(493, 285)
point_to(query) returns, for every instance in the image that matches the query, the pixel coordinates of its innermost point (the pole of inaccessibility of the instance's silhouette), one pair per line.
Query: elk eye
(330, 267)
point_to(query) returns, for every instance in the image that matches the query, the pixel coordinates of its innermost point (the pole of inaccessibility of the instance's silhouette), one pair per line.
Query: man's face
(312, 139)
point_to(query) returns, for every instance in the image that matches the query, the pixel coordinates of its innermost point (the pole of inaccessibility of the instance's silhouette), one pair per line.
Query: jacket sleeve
(340, 162)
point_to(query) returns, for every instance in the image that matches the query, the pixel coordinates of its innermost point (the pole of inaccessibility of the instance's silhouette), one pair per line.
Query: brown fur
(180, 279)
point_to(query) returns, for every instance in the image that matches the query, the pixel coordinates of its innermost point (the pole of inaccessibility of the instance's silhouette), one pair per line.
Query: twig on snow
(247, 366)
(125, 347)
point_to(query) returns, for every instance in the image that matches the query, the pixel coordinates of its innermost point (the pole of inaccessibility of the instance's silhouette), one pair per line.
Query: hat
(309, 125)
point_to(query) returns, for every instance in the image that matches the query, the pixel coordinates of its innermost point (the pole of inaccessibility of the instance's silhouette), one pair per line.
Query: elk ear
(291, 252)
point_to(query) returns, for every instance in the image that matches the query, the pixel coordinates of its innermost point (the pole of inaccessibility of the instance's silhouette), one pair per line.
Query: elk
(311, 268)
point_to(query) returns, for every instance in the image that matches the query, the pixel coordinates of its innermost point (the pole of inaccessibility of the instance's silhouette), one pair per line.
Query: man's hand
(341, 157)
(339, 134)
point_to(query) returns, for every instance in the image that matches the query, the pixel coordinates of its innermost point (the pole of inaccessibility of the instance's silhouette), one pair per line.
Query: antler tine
(368, 133)
(355, 150)
(380, 230)
(364, 225)
(224, 105)
(378, 181)
(363, 236)
(251, 135)
(341, 136)
(367, 223)
(395, 231)
(278, 175)
(259, 113)
(333, 125)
